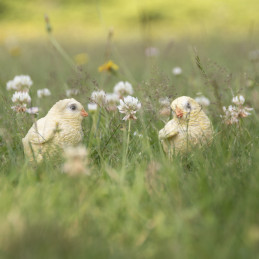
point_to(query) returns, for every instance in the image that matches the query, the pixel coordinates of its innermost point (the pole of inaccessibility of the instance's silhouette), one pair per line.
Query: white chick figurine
(61, 127)
(190, 126)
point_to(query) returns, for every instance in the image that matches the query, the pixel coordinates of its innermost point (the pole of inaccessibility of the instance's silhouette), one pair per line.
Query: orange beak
(84, 113)
(179, 112)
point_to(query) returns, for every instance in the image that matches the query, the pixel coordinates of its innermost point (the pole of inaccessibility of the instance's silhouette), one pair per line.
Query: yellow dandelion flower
(108, 66)
(81, 59)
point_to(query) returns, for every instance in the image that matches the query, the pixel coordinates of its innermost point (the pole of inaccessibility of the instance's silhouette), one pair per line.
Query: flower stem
(62, 52)
(128, 138)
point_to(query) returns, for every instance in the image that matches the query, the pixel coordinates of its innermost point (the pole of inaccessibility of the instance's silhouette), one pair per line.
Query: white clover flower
(43, 92)
(72, 92)
(99, 97)
(177, 71)
(165, 106)
(123, 88)
(202, 100)
(244, 112)
(238, 100)
(164, 102)
(75, 152)
(232, 114)
(76, 161)
(10, 85)
(33, 110)
(21, 97)
(19, 107)
(92, 107)
(112, 98)
(22, 82)
(129, 105)
(151, 52)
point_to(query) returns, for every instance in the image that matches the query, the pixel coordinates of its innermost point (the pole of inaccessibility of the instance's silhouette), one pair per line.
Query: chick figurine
(190, 126)
(61, 127)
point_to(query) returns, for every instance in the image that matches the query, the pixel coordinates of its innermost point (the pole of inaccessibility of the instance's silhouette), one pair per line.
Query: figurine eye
(72, 107)
(188, 106)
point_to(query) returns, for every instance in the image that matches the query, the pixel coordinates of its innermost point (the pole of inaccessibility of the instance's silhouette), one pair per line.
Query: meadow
(135, 202)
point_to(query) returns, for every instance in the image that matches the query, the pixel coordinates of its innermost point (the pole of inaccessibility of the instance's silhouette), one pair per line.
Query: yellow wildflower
(108, 66)
(81, 59)
(13, 46)
(14, 51)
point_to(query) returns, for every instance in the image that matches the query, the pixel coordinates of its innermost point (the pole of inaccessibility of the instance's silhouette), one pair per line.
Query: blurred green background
(90, 19)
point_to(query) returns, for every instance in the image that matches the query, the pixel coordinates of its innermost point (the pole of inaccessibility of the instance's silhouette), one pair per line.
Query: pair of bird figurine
(61, 127)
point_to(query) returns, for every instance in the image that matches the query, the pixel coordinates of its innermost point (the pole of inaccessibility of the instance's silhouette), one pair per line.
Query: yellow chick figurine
(190, 126)
(61, 127)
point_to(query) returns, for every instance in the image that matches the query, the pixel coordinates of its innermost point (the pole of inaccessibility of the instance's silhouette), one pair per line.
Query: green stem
(128, 138)
(62, 52)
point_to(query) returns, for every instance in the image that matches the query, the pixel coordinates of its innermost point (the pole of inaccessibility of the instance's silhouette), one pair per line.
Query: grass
(203, 205)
